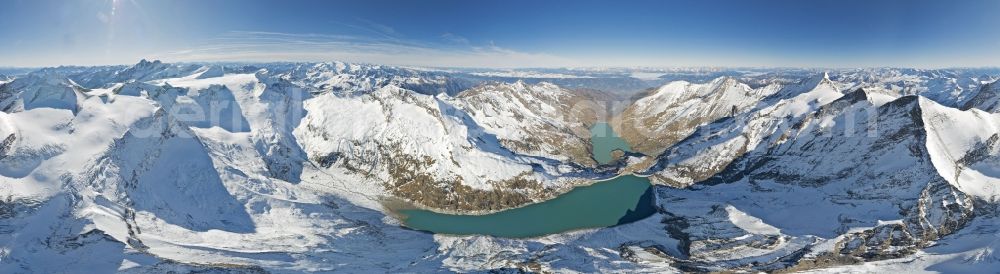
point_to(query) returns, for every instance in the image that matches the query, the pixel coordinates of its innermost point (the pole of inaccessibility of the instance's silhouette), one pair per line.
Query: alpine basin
(621, 200)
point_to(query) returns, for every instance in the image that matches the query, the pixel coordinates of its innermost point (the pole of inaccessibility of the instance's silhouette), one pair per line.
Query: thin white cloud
(276, 46)
(376, 27)
(455, 39)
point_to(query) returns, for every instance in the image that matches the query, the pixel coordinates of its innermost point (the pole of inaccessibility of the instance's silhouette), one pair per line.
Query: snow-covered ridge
(353, 78)
(798, 179)
(965, 148)
(541, 120)
(987, 98)
(526, 74)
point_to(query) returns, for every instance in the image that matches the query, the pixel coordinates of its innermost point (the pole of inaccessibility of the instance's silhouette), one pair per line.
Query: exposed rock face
(987, 99)
(941, 210)
(7, 144)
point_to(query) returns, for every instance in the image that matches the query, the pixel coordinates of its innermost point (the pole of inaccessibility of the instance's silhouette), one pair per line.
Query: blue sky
(505, 33)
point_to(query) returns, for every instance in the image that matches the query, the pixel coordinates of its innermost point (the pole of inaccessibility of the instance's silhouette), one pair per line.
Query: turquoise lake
(605, 141)
(617, 201)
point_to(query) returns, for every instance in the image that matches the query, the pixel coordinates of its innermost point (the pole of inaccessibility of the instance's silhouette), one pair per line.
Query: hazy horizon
(518, 34)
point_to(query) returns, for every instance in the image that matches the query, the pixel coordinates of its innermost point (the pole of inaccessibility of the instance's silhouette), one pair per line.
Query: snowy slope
(141, 173)
(987, 98)
(951, 88)
(40, 91)
(341, 77)
(714, 146)
(964, 148)
(539, 120)
(673, 111)
(795, 194)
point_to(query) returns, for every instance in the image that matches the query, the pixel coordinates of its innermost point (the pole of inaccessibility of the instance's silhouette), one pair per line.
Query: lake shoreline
(603, 203)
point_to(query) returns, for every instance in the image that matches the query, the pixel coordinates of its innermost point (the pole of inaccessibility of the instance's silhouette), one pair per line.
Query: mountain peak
(209, 71)
(724, 80)
(817, 81)
(146, 65)
(145, 62)
(857, 95)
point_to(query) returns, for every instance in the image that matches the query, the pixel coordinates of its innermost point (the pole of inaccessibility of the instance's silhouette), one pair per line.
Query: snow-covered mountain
(541, 120)
(947, 86)
(987, 98)
(294, 167)
(671, 112)
(713, 146)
